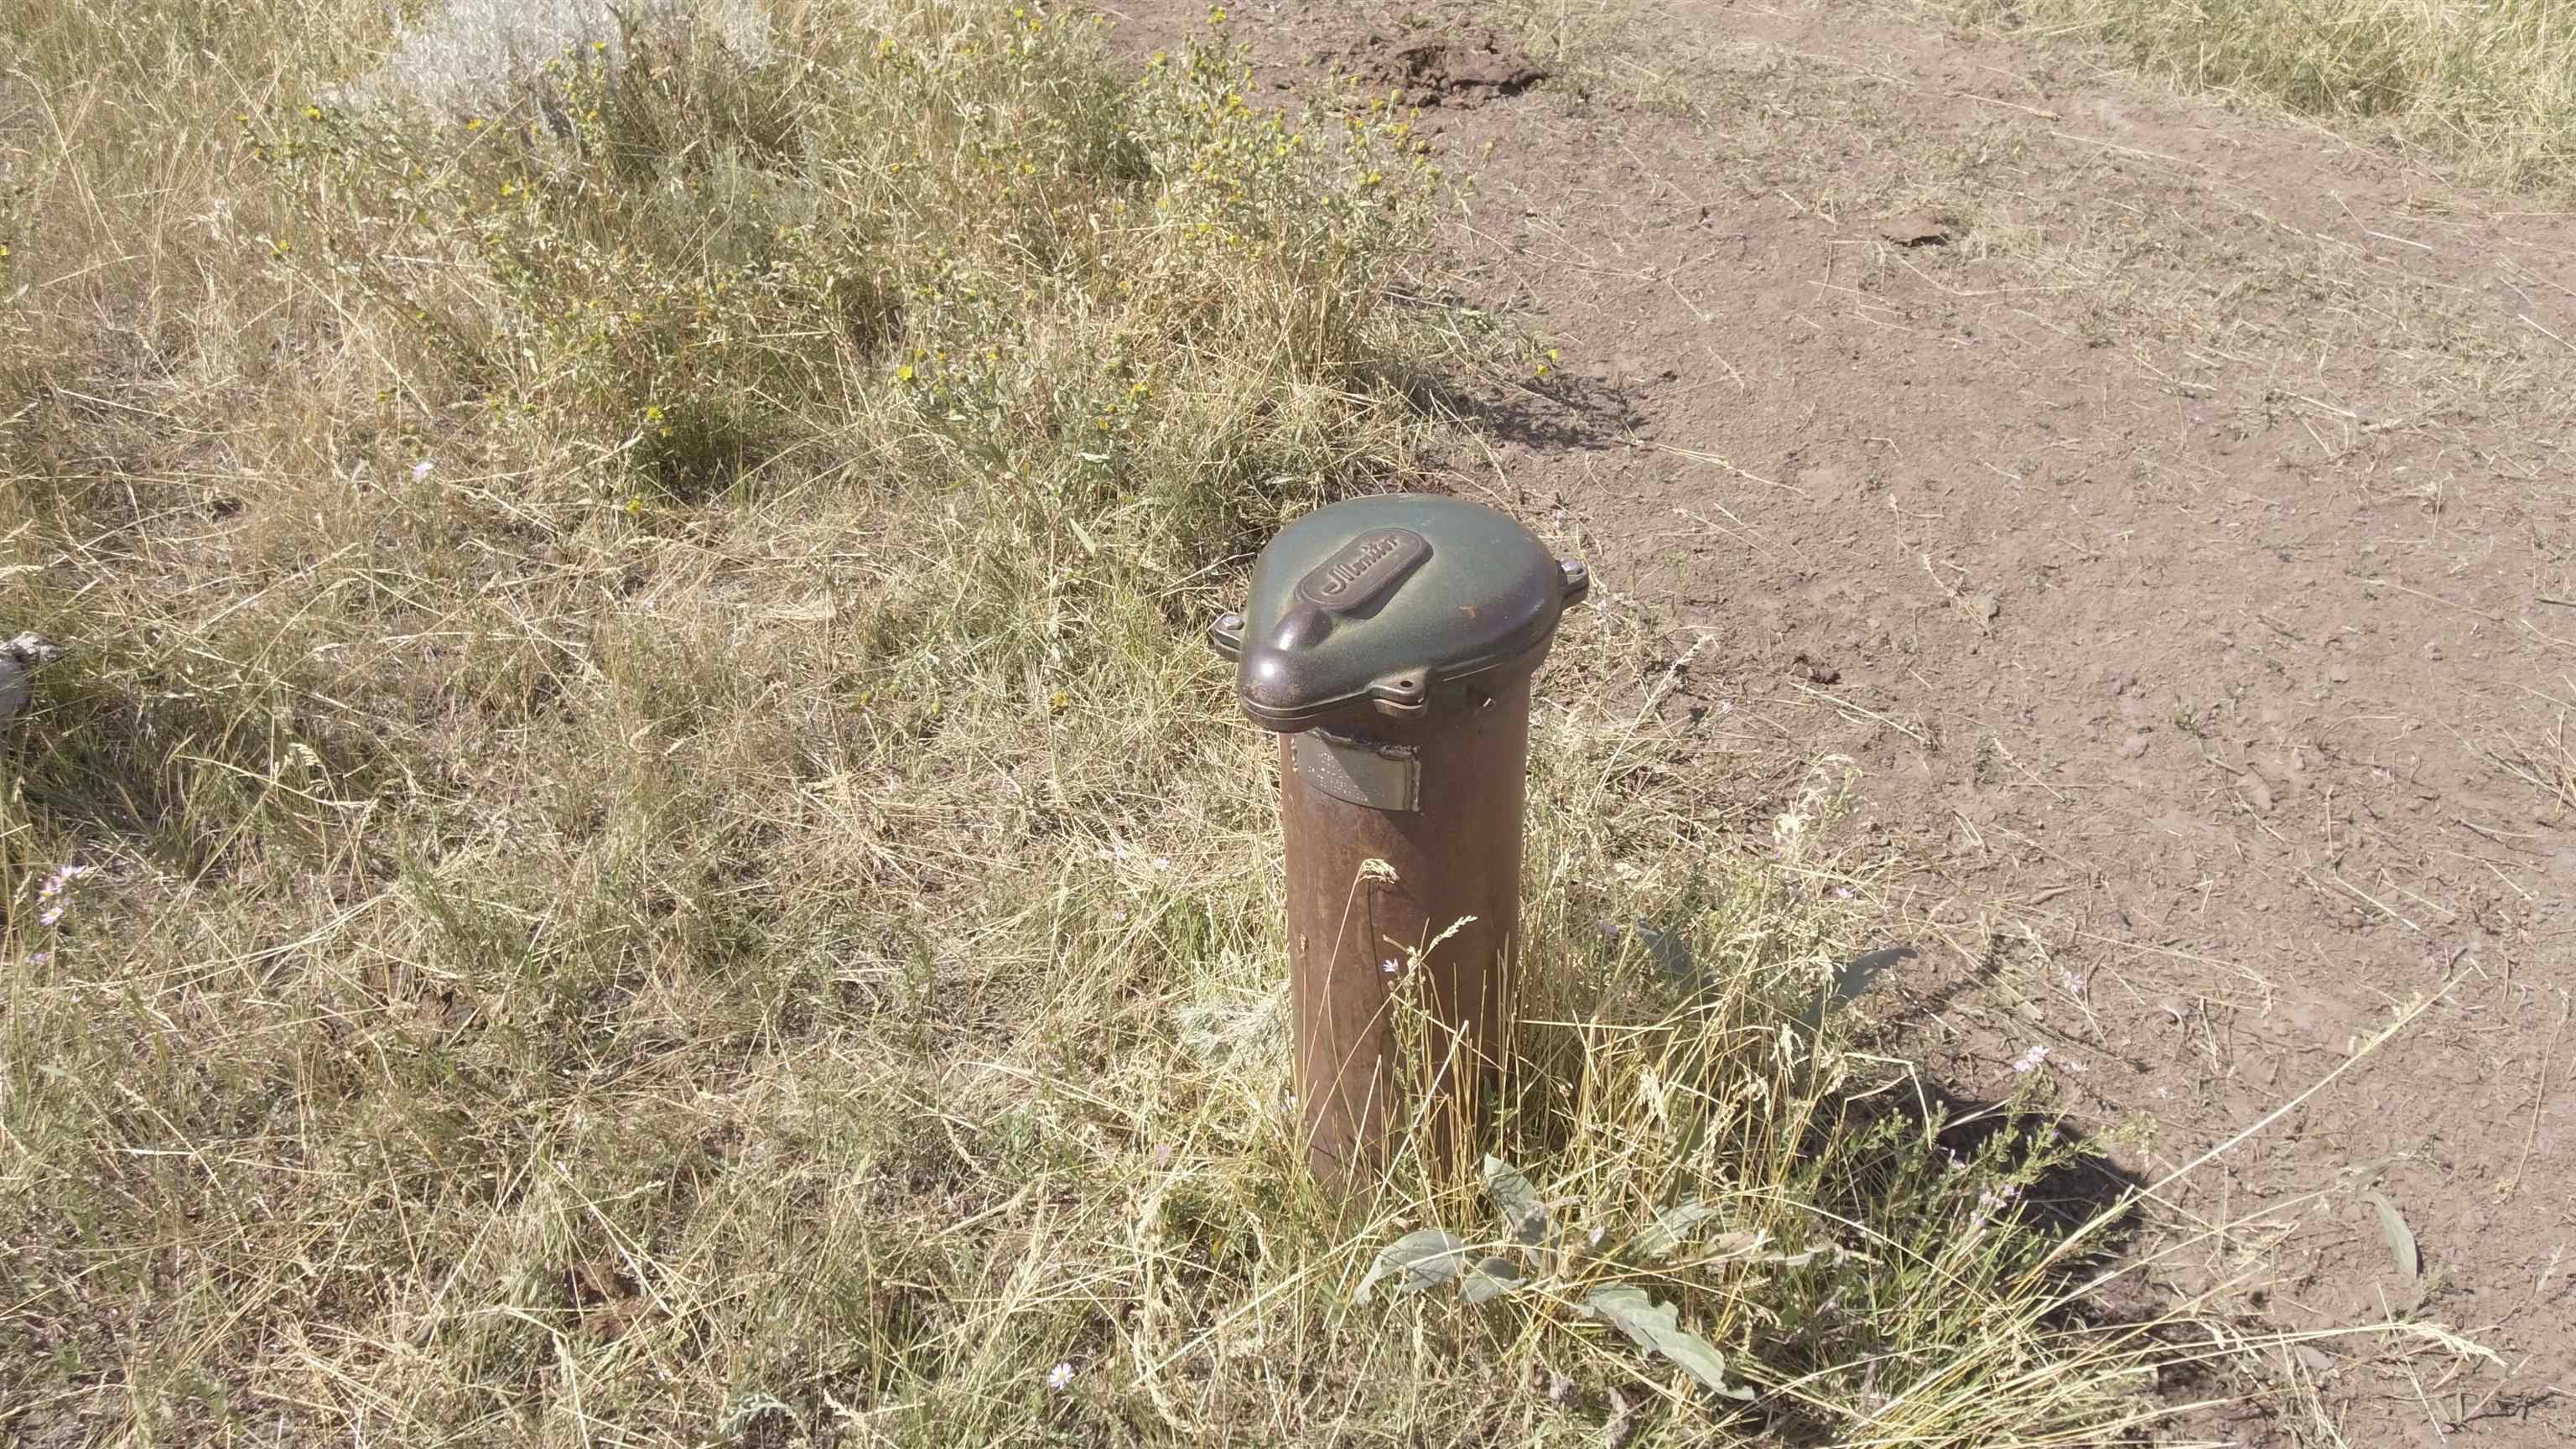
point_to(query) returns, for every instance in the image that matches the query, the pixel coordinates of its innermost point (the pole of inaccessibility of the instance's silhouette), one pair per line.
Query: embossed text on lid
(1387, 607)
(1364, 570)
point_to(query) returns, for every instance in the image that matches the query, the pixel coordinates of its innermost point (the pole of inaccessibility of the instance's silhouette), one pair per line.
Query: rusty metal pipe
(1391, 642)
(1450, 875)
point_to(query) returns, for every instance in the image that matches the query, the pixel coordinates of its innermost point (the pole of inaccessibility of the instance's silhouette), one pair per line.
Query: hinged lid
(1381, 603)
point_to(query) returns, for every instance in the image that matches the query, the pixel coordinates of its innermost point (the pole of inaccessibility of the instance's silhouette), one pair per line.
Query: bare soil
(2172, 511)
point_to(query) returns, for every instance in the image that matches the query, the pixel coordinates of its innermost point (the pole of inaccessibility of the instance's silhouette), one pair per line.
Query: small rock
(2339, 672)
(1985, 606)
(2135, 745)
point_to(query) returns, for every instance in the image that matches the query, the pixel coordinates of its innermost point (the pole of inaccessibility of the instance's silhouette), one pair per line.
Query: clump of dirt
(1460, 71)
(1916, 229)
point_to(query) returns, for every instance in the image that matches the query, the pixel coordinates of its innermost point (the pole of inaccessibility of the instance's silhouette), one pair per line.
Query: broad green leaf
(1523, 1214)
(1701, 1361)
(1423, 1259)
(1487, 1279)
(1671, 1226)
(1631, 1312)
(1656, 1328)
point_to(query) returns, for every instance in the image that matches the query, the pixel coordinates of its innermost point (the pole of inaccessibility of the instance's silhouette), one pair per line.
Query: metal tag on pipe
(1363, 772)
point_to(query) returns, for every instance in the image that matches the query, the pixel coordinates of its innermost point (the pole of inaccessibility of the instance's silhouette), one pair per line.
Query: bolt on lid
(1379, 604)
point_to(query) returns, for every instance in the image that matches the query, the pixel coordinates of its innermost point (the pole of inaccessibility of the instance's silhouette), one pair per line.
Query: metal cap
(1391, 605)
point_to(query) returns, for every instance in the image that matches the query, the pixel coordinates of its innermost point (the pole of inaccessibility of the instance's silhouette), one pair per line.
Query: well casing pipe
(1391, 643)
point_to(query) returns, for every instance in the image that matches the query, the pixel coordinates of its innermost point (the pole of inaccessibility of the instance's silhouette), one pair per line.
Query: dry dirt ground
(2172, 511)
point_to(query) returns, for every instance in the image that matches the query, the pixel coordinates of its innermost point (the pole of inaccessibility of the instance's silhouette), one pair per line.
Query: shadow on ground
(1572, 415)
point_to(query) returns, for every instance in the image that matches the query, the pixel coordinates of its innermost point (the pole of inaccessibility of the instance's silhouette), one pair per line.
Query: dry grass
(2489, 84)
(2547, 761)
(642, 848)
(2487, 88)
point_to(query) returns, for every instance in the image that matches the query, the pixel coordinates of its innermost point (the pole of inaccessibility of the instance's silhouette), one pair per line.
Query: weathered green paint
(1390, 606)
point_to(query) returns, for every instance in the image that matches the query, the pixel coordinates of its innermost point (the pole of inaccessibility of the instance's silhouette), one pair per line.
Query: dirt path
(2174, 515)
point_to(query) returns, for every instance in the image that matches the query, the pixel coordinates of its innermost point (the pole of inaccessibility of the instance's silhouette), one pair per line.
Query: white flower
(1059, 1376)
(421, 469)
(2031, 1059)
(62, 875)
(1388, 966)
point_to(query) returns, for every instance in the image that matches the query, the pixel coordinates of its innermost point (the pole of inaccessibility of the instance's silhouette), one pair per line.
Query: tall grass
(2490, 84)
(639, 844)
